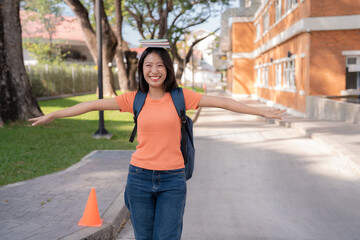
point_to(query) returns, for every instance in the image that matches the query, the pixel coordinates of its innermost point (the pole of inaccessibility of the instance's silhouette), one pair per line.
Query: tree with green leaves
(17, 102)
(49, 14)
(126, 72)
(108, 41)
(172, 19)
(113, 43)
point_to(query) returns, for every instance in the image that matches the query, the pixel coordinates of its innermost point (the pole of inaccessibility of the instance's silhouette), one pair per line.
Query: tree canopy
(49, 14)
(171, 19)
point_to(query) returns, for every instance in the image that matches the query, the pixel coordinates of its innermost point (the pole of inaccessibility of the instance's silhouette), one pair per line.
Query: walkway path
(50, 207)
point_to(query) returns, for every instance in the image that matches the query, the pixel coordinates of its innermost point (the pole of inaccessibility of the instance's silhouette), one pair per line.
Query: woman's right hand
(45, 119)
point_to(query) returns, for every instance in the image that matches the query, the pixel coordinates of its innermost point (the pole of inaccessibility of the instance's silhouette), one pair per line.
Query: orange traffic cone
(204, 86)
(91, 217)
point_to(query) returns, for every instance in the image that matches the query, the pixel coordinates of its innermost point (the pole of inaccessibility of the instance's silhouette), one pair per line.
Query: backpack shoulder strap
(177, 96)
(137, 106)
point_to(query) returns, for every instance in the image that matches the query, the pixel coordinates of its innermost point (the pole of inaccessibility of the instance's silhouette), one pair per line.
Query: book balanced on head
(159, 43)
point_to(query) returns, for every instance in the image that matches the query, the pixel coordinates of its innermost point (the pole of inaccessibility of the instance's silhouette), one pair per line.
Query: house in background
(285, 50)
(201, 70)
(68, 35)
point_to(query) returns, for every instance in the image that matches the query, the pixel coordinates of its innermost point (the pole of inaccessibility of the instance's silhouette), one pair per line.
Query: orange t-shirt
(158, 130)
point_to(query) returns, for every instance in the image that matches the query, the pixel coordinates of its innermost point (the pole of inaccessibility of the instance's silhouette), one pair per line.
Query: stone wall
(321, 108)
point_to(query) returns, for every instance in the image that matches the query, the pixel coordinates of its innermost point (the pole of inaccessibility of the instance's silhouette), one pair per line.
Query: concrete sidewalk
(50, 207)
(342, 139)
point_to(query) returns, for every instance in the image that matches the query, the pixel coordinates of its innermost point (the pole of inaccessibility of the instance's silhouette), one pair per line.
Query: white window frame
(290, 4)
(265, 77)
(266, 21)
(258, 30)
(278, 5)
(278, 75)
(355, 64)
(258, 77)
(357, 60)
(289, 81)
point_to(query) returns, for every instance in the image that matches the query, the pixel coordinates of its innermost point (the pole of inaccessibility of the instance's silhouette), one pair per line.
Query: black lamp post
(101, 132)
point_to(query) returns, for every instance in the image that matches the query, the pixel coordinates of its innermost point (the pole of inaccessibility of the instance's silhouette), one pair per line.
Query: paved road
(259, 181)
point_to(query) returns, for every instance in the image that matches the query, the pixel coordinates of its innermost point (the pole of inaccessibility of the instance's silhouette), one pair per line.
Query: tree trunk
(180, 70)
(17, 101)
(132, 64)
(122, 76)
(119, 55)
(108, 43)
(109, 85)
(180, 62)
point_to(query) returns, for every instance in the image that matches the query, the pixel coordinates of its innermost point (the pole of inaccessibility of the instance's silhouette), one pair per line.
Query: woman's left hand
(42, 120)
(273, 113)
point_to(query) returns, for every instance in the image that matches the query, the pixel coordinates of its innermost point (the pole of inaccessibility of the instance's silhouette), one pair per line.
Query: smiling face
(154, 70)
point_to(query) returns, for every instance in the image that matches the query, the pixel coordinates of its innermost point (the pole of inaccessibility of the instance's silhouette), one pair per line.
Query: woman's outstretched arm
(78, 109)
(235, 106)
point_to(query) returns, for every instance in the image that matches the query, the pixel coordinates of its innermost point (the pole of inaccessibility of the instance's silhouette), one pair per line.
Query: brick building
(285, 50)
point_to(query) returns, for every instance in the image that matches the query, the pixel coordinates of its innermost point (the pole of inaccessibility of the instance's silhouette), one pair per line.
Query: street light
(101, 132)
(193, 69)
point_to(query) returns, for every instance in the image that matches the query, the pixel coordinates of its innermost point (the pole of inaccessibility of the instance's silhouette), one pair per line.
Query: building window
(278, 75)
(277, 10)
(262, 76)
(289, 75)
(258, 77)
(247, 3)
(352, 72)
(258, 30)
(266, 22)
(265, 82)
(290, 4)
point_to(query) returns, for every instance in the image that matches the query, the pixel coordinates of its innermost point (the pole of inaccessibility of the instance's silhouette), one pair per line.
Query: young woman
(156, 187)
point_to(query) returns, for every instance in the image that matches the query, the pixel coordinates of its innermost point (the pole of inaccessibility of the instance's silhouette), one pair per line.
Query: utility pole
(101, 132)
(184, 73)
(166, 25)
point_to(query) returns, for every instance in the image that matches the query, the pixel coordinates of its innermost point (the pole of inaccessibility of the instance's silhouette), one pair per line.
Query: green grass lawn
(27, 152)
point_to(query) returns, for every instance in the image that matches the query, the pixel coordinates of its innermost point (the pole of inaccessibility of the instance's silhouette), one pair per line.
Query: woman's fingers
(275, 113)
(279, 112)
(40, 120)
(33, 119)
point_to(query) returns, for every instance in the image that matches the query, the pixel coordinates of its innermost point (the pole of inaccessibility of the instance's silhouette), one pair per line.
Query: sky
(132, 36)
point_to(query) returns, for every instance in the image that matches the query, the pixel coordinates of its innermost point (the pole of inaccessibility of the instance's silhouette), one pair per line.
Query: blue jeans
(156, 201)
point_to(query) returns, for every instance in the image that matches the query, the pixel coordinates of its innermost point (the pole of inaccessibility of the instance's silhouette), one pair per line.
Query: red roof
(139, 50)
(68, 28)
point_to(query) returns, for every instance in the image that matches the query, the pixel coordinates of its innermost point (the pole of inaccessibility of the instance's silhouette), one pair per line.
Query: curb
(334, 148)
(114, 216)
(113, 220)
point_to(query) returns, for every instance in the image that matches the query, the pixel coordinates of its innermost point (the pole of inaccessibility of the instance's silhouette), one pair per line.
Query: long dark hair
(170, 80)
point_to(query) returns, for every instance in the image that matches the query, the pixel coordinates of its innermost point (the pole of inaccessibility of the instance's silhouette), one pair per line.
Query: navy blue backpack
(187, 142)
